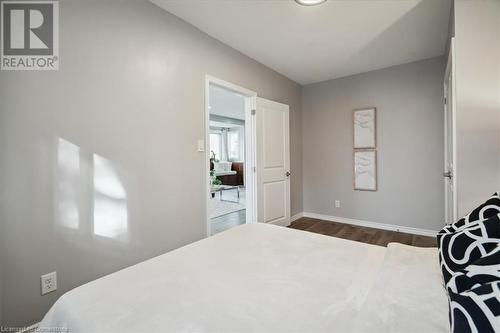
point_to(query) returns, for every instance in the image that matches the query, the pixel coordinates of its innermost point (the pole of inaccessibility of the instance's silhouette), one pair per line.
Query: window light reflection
(110, 201)
(68, 176)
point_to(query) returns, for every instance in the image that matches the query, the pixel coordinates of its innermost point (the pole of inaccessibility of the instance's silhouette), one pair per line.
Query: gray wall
(131, 89)
(477, 106)
(409, 101)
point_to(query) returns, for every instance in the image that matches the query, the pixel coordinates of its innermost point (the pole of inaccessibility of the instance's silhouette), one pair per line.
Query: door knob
(288, 173)
(448, 174)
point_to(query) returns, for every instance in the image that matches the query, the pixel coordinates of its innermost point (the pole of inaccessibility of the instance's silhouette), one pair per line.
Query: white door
(273, 162)
(449, 141)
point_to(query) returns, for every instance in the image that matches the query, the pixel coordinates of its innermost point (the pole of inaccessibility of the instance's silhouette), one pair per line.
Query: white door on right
(273, 162)
(450, 183)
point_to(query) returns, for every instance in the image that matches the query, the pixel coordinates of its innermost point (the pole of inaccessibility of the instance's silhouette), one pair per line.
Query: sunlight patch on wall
(110, 201)
(68, 176)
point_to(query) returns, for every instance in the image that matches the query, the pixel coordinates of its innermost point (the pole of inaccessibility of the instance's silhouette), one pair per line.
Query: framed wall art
(365, 170)
(365, 128)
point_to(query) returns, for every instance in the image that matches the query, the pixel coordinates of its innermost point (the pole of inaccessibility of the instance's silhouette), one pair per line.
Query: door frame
(250, 147)
(450, 70)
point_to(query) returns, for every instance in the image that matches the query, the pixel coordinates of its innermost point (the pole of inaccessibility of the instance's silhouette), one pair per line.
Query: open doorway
(230, 155)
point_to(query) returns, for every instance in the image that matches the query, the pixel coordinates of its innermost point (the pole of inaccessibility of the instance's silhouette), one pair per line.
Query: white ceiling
(226, 103)
(317, 43)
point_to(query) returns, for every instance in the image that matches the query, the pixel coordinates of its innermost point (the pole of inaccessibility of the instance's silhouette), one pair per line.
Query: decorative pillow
(459, 249)
(482, 271)
(476, 310)
(487, 209)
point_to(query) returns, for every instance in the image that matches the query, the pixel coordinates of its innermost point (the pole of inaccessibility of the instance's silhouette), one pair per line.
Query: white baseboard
(377, 225)
(281, 223)
(296, 217)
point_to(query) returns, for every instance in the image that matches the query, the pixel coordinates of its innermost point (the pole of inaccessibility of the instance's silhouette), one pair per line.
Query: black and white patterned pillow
(471, 242)
(487, 209)
(482, 271)
(476, 310)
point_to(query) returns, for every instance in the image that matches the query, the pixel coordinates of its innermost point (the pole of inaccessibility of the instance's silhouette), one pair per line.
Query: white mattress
(264, 278)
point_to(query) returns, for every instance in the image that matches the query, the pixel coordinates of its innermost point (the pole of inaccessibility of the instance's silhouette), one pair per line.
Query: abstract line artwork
(365, 170)
(364, 128)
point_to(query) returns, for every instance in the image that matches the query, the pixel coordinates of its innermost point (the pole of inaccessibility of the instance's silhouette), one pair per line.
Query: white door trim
(250, 144)
(450, 70)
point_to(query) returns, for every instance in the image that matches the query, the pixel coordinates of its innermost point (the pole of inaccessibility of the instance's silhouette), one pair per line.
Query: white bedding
(264, 278)
(408, 296)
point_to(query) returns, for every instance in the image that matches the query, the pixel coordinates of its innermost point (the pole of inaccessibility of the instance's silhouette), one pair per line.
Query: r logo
(28, 29)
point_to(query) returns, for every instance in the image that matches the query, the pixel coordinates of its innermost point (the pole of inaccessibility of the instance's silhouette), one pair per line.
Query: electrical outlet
(48, 283)
(337, 203)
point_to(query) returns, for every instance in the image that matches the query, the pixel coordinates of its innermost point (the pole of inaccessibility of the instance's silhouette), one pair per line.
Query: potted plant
(214, 181)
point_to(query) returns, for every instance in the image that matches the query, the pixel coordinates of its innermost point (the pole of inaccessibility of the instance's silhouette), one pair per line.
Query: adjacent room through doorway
(227, 202)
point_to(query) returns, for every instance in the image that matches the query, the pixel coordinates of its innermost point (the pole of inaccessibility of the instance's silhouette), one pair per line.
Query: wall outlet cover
(48, 283)
(337, 203)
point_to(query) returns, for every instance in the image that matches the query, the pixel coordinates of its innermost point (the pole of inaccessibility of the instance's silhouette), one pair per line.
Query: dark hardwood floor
(361, 234)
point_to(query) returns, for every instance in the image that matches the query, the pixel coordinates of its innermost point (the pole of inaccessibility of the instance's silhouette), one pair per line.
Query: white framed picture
(365, 170)
(365, 128)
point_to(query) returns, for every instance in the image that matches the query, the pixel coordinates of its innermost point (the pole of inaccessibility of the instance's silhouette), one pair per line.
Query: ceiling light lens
(309, 2)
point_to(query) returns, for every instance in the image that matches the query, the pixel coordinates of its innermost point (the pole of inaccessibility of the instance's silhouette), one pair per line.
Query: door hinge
(445, 100)
(254, 169)
(254, 112)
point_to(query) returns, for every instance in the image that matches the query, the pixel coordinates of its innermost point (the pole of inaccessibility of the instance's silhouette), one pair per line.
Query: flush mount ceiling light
(309, 2)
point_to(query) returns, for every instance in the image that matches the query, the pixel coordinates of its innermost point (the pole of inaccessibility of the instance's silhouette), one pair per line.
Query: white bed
(265, 278)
